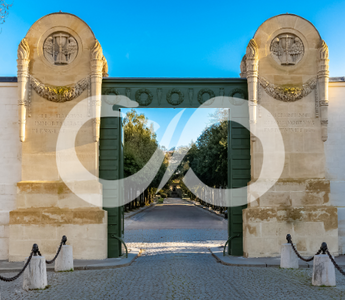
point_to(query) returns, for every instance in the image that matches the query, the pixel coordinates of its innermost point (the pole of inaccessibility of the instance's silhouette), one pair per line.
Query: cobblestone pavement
(176, 264)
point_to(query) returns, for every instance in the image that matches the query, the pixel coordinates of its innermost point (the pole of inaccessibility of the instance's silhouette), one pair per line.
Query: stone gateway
(60, 63)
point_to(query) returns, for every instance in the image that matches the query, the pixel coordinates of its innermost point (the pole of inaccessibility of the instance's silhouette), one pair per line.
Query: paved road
(176, 264)
(176, 214)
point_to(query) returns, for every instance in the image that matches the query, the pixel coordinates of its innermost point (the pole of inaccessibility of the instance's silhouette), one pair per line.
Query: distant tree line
(207, 156)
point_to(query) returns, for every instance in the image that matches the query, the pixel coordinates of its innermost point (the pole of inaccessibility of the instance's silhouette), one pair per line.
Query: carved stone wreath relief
(60, 48)
(287, 49)
(177, 101)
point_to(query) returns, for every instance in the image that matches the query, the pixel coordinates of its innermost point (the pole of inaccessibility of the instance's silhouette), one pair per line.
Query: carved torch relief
(60, 48)
(287, 49)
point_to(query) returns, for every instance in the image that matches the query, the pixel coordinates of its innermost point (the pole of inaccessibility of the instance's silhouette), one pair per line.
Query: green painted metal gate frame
(157, 91)
(239, 174)
(111, 168)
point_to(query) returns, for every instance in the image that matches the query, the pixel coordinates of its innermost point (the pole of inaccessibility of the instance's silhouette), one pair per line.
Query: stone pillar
(96, 86)
(285, 62)
(23, 85)
(252, 79)
(288, 258)
(64, 261)
(323, 79)
(50, 204)
(35, 275)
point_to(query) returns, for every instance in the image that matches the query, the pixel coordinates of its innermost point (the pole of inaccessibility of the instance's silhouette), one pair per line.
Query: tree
(209, 161)
(140, 143)
(4, 7)
(207, 157)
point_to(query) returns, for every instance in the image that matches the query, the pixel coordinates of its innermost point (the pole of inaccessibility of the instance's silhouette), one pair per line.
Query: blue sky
(175, 38)
(163, 116)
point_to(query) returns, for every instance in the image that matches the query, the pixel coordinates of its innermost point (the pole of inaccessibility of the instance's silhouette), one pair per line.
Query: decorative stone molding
(59, 94)
(97, 52)
(143, 102)
(60, 48)
(23, 51)
(205, 91)
(238, 91)
(287, 49)
(111, 91)
(105, 67)
(323, 79)
(317, 102)
(258, 93)
(324, 53)
(243, 67)
(97, 71)
(180, 97)
(23, 54)
(159, 95)
(252, 62)
(234, 100)
(191, 95)
(252, 50)
(288, 93)
(129, 93)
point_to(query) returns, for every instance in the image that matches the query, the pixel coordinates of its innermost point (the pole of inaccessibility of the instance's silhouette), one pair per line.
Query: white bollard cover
(323, 271)
(35, 274)
(64, 261)
(288, 258)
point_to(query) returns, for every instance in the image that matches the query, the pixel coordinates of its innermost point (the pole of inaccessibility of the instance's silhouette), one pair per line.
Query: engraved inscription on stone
(60, 48)
(291, 122)
(287, 49)
(51, 123)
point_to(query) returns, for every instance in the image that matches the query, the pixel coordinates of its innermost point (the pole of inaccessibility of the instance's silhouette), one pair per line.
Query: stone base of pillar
(288, 258)
(48, 210)
(64, 261)
(323, 271)
(35, 275)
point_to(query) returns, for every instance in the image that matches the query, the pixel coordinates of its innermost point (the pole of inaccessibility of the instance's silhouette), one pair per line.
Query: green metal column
(238, 176)
(111, 168)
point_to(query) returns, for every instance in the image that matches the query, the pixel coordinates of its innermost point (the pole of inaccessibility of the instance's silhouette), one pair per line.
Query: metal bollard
(323, 269)
(35, 275)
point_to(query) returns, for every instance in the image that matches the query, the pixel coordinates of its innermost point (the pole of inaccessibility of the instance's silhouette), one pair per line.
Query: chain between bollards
(63, 242)
(289, 240)
(34, 252)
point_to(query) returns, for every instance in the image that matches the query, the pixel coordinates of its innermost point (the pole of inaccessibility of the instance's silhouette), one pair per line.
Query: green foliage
(163, 195)
(140, 144)
(207, 157)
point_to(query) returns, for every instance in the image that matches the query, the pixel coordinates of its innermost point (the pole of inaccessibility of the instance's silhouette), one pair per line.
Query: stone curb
(139, 210)
(205, 208)
(263, 262)
(109, 263)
